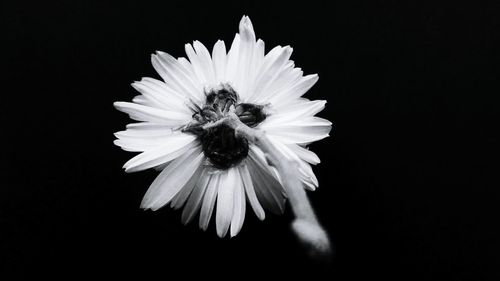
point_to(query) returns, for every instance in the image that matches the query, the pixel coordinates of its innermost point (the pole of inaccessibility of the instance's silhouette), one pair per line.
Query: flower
(207, 167)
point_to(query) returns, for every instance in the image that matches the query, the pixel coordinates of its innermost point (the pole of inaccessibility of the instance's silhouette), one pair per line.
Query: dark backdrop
(405, 187)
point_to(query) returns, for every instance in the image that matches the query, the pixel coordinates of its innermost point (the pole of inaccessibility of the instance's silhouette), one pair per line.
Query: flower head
(205, 164)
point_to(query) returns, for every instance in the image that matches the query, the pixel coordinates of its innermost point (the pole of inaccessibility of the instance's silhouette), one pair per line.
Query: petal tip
(118, 104)
(246, 29)
(233, 233)
(221, 234)
(144, 204)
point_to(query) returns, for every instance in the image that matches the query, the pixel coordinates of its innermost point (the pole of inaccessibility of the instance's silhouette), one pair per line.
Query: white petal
(160, 167)
(225, 201)
(307, 183)
(188, 68)
(145, 113)
(141, 140)
(246, 29)
(172, 179)
(287, 78)
(244, 70)
(195, 199)
(298, 110)
(131, 147)
(143, 100)
(250, 192)
(239, 205)
(139, 144)
(205, 60)
(269, 71)
(173, 147)
(181, 197)
(149, 135)
(143, 128)
(304, 154)
(232, 62)
(299, 131)
(209, 201)
(158, 95)
(257, 59)
(268, 189)
(201, 62)
(284, 77)
(182, 70)
(219, 59)
(288, 95)
(174, 76)
(308, 175)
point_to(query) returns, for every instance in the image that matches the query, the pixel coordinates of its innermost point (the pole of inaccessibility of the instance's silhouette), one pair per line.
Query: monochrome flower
(206, 165)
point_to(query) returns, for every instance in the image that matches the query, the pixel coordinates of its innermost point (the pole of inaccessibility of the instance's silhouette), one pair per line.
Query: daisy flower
(213, 125)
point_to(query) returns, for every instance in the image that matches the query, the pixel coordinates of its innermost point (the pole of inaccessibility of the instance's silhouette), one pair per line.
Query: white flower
(205, 169)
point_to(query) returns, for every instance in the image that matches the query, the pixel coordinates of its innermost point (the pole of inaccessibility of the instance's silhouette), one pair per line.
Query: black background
(405, 191)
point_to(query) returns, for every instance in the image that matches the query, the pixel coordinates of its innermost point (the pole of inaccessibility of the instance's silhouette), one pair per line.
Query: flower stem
(306, 225)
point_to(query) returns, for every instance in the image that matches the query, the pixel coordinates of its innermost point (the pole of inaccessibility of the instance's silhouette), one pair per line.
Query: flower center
(219, 143)
(222, 147)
